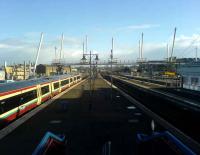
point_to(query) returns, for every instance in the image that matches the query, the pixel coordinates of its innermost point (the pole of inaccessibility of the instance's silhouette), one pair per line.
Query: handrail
(170, 137)
(41, 148)
(106, 150)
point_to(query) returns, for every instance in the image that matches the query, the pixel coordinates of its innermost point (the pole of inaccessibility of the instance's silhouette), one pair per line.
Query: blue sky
(22, 21)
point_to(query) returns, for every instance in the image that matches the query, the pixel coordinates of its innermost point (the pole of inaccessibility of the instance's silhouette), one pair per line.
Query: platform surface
(88, 119)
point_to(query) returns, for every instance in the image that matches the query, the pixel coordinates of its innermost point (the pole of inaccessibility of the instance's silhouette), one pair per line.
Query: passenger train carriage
(19, 97)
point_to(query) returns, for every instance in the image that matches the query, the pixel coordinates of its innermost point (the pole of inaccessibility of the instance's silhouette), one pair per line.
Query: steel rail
(190, 104)
(194, 145)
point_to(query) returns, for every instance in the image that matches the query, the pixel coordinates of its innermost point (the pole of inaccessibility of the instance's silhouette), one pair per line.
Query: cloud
(16, 50)
(198, 28)
(150, 51)
(2, 46)
(184, 47)
(187, 41)
(138, 27)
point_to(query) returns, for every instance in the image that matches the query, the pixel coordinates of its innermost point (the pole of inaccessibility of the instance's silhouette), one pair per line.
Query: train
(18, 98)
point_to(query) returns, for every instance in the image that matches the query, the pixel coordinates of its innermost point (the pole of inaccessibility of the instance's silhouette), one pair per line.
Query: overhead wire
(188, 47)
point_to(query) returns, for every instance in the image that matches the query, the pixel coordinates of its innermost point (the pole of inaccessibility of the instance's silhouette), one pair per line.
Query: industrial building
(2, 74)
(47, 70)
(191, 75)
(16, 72)
(23, 72)
(149, 68)
(20, 72)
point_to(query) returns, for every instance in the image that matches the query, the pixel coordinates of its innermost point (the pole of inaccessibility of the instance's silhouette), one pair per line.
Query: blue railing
(170, 140)
(106, 150)
(46, 143)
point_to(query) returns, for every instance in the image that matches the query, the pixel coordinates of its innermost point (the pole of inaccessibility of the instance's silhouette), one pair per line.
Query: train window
(64, 82)
(28, 96)
(56, 85)
(15, 101)
(78, 77)
(71, 80)
(45, 89)
(10, 103)
(1, 107)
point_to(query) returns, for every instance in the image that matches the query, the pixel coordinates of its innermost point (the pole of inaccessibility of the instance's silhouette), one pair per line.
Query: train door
(60, 89)
(39, 94)
(51, 89)
(68, 82)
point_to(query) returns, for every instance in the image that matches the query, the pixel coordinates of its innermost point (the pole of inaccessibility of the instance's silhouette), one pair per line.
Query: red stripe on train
(64, 88)
(27, 108)
(56, 93)
(19, 113)
(46, 98)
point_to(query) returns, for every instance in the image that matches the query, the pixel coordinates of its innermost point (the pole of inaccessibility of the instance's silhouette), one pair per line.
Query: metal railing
(47, 142)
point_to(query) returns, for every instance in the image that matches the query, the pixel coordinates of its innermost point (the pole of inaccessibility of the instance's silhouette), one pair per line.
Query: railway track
(186, 120)
(191, 96)
(166, 82)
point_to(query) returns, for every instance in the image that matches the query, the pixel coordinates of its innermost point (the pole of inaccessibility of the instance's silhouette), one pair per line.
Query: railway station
(96, 119)
(99, 77)
(87, 123)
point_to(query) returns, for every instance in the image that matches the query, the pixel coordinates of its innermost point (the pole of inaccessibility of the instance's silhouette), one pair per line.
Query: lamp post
(111, 59)
(84, 59)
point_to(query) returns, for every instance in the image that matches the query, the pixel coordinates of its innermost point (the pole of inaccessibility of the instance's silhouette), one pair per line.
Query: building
(18, 72)
(9, 72)
(191, 75)
(2, 74)
(48, 70)
(149, 68)
(74, 70)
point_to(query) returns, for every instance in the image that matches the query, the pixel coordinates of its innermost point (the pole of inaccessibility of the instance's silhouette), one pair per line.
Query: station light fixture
(84, 58)
(97, 58)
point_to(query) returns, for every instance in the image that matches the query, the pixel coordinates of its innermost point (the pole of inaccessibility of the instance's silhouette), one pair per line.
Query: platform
(88, 122)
